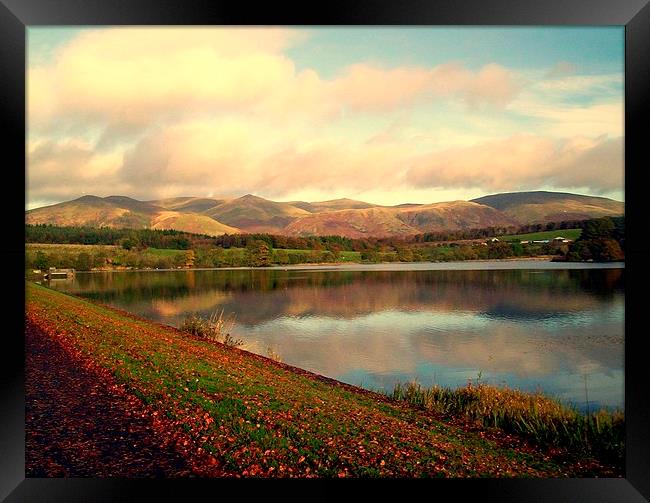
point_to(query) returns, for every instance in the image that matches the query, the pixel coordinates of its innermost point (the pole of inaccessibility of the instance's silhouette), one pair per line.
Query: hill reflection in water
(550, 329)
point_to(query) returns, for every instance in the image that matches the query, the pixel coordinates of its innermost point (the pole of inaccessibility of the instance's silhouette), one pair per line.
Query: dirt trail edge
(80, 423)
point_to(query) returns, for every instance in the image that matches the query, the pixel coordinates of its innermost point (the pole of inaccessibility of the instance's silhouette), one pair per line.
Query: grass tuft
(217, 328)
(273, 355)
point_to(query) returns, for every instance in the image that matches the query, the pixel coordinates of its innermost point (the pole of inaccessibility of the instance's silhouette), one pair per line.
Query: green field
(350, 256)
(572, 234)
(163, 252)
(345, 256)
(257, 417)
(70, 248)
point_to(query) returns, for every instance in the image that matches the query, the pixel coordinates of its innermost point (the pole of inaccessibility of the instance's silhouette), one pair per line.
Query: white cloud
(522, 161)
(150, 112)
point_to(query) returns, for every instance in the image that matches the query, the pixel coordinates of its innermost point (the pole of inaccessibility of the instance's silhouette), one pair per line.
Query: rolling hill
(400, 220)
(191, 222)
(542, 206)
(346, 217)
(188, 204)
(332, 205)
(377, 222)
(256, 214)
(125, 212)
(112, 211)
(452, 216)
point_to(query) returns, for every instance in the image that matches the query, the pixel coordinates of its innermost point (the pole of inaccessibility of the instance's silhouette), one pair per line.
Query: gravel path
(81, 424)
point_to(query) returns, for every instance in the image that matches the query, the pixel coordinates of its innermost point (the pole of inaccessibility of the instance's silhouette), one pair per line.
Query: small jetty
(55, 273)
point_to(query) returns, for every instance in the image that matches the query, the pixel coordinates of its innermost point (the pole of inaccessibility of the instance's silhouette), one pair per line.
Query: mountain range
(346, 217)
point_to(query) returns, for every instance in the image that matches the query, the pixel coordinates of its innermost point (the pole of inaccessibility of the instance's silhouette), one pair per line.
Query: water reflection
(530, 329)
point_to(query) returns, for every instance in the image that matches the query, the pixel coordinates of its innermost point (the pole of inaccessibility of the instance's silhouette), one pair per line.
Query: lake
(525, 324)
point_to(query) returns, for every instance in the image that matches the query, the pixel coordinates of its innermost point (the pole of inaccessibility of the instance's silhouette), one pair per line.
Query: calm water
(525, 324)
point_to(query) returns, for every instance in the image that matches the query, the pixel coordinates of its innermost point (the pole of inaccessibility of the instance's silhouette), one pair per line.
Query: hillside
(400, 221)
(453, 215)
(190, 222)
(542, 206)
(188, 204)
(112, 211)
(377, 222)
(124, 212)
(255, 214)
(345, 217)
(332, 205)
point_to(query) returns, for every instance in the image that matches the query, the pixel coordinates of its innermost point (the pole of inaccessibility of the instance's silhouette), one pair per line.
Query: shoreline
(386, 266)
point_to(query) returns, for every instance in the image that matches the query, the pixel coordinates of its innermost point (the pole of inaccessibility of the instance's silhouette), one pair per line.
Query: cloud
(129, 77)
(588, 105)
(524, 161)
(234, 157)
(61, 170)
(493, 84)
(196, 155)
(561, 69)
(151, 112)
(592, 120)
(138, 75)
(364, 87)
(582, 84)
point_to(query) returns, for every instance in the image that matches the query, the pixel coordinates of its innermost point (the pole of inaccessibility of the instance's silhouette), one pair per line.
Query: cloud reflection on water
(527, 328)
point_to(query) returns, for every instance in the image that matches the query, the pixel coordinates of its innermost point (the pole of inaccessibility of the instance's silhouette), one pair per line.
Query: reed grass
(217, 328)
(273, 354)
(533, 416)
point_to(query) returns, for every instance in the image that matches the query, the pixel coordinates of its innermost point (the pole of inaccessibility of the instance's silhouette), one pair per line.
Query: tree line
(179, 240)
(601, 240)
(128, 238)
(259, 254)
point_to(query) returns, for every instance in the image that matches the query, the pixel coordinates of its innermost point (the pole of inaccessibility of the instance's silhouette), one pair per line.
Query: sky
(381, 114)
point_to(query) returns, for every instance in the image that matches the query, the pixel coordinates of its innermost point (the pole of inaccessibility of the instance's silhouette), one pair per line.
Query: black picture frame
(17, 15)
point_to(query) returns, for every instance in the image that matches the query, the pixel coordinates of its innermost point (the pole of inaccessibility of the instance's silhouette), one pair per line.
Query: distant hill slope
(191, 222)
(345, 217)
(121, 211)
(541, 206)
(332, 205)
(256, 214)
(112, 211)
(376, 222)
(188, 204)
(453, 215)
(400, 221)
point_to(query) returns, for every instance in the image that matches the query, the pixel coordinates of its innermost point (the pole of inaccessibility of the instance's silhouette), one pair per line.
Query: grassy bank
(258, 417)
(534, 416)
